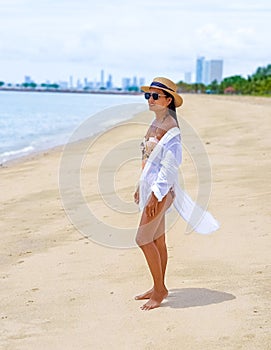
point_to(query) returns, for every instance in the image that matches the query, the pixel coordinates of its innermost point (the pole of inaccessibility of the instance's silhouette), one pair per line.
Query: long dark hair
(171, 107)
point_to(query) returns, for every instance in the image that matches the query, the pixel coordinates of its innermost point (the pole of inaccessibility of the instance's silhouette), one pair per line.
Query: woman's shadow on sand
(191, 297)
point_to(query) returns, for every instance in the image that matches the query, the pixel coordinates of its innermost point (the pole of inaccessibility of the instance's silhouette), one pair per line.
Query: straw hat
(166, 85)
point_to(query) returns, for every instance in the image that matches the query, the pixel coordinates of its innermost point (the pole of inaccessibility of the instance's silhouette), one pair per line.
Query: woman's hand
(152, 206)
(136, 196)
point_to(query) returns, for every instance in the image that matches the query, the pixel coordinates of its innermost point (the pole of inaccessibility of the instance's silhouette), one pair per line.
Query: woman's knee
(140, 241)
(149, 228)
(143, 237)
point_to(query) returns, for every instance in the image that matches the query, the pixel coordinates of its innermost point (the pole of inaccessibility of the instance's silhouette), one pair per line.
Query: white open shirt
(160, 174)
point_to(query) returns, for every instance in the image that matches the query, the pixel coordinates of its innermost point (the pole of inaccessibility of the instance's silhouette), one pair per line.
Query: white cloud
(131, 37)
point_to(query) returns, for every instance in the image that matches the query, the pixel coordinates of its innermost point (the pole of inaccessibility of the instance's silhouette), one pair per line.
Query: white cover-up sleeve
(168, 172)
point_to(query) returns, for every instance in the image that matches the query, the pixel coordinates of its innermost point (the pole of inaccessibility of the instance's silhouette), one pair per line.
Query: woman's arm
(169, 166)
(136, 195)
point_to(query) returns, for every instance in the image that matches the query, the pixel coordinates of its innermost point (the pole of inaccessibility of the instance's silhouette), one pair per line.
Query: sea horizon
(35, 122)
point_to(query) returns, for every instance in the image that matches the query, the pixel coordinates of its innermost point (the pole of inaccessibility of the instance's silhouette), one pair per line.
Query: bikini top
(147, 146)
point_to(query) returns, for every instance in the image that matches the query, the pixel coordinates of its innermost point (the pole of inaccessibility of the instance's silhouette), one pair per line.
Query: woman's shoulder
(170, 123)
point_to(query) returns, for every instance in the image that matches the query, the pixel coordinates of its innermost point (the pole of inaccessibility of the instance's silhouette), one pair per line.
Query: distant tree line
(258, 84)
(32, 85)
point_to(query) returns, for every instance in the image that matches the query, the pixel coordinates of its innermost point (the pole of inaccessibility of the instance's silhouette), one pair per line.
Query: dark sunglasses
(154, 95)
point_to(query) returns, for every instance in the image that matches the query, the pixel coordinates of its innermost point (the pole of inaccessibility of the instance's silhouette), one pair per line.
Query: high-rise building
(126, 83)
(208, 71)
(187, 77)
(216, 70)
(63, 84)
(71, 81)
(102, 78)
(200, 69)
(109, 83)
(79, 86)
(27, 79)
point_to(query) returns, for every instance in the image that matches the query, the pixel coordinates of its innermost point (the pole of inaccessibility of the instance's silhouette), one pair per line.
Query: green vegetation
(29, 85)
(49, 86)
(258, 84)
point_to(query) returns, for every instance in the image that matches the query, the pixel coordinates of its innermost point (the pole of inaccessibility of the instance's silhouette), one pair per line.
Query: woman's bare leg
(159, 292)
(160, 243)
(151, 239)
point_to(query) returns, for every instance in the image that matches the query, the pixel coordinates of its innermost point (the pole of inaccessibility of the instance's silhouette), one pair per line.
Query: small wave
(8, 155)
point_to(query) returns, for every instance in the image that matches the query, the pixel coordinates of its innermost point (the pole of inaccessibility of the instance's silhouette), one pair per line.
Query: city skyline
(206, 71)
(55, 39)
(208, 75)
(86, 82)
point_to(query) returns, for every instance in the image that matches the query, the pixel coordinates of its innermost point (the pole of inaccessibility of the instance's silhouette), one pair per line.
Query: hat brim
(178, 101)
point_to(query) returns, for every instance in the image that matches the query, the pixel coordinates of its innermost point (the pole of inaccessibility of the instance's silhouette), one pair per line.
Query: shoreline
(262, 99)
(57, 148)
(61, 135)
(72, 91)
(120, 92)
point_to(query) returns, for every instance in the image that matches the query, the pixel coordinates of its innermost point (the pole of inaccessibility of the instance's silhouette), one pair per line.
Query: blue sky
(53, 39)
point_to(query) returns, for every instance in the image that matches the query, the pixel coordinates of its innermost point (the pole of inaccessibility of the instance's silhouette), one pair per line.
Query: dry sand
(60, 290)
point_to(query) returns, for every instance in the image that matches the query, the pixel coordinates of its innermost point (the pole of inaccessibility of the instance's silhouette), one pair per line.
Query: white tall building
(27, 79)
(215, 71)
(102, 78)
(208, 71)
(126, 83)
(200, 69)
(187, 77)
(71, 81)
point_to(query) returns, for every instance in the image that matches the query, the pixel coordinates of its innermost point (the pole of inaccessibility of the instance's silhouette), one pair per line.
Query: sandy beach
(62, 289)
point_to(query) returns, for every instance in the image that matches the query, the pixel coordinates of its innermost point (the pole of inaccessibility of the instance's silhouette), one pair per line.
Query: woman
(158, 186)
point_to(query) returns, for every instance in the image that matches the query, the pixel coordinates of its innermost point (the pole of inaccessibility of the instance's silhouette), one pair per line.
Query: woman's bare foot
(145, 295)
(155, 300)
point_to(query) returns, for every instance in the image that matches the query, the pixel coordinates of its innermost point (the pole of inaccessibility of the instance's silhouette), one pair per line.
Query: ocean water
(32, 121)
